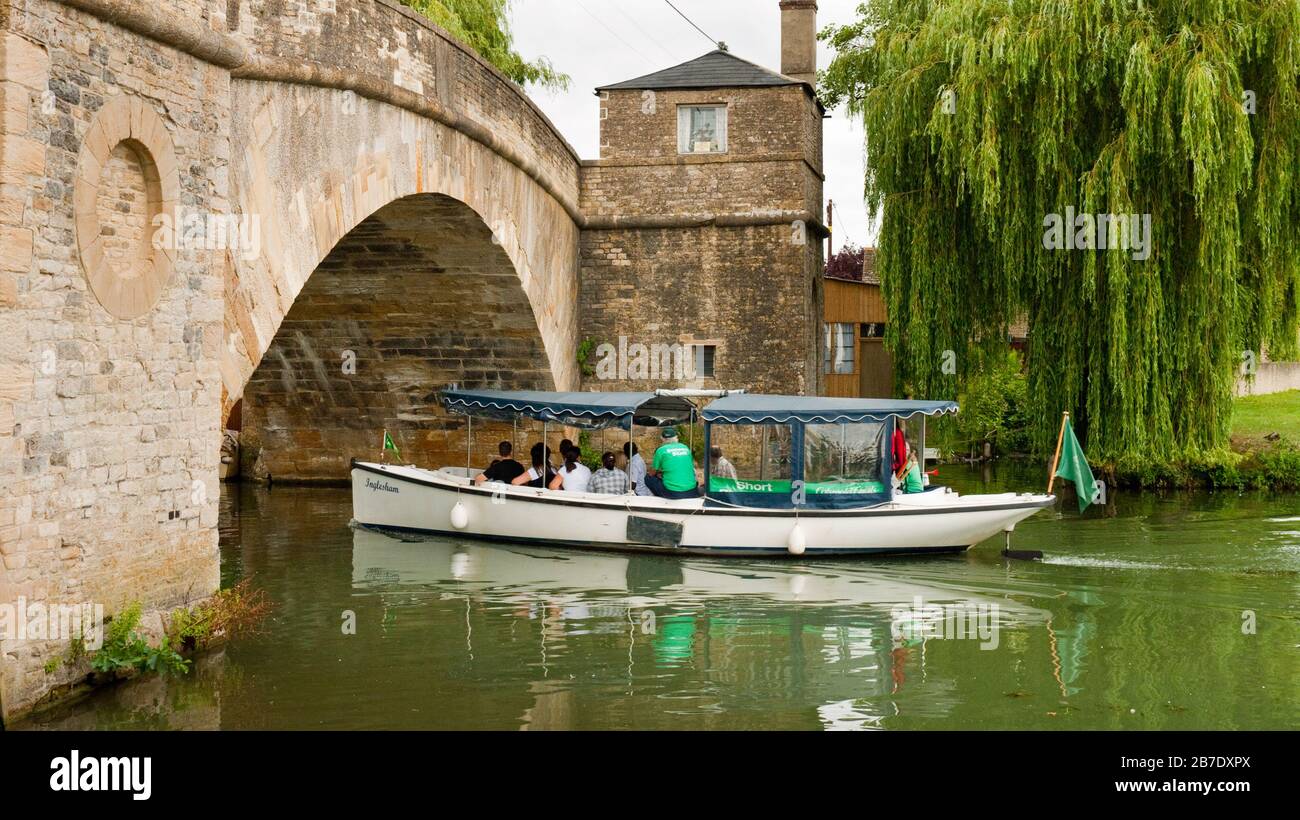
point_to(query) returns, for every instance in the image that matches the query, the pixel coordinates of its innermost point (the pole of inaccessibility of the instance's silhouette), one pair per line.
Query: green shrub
(994, 408)
(126, 650)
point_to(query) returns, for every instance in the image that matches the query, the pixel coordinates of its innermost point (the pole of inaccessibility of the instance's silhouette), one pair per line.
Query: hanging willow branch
(984, 117)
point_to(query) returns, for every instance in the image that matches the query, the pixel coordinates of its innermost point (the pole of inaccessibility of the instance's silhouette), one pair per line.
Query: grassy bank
(1264, 452)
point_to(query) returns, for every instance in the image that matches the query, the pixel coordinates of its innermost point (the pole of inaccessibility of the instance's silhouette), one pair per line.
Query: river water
(1179, 611)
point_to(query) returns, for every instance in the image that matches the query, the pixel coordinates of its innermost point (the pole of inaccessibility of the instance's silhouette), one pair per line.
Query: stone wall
(1271, 377)
(107, 425)
(746, 290)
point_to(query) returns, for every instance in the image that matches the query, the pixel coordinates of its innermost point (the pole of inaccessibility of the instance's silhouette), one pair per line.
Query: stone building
(704, 220)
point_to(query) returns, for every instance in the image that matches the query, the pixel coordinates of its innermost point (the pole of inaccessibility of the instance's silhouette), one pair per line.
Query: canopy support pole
(469, 441)
(690, 432)
(921, 459)
(708, 448)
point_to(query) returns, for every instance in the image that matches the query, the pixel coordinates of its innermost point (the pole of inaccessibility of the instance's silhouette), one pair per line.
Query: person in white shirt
(635, 469)
(573, 476)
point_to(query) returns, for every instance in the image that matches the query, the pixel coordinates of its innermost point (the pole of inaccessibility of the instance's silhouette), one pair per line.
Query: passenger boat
(822, 484)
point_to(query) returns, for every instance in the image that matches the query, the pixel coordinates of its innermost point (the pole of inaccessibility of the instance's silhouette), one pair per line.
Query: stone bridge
(356, 211)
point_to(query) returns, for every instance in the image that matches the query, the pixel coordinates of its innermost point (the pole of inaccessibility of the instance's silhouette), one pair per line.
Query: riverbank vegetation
(991, 123)
(1264, 450)
(129, 649)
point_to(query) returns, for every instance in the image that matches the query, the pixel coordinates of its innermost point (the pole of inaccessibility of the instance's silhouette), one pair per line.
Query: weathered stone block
(23, 62)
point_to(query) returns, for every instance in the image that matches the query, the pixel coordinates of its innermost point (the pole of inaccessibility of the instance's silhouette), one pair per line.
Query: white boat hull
(409, 499)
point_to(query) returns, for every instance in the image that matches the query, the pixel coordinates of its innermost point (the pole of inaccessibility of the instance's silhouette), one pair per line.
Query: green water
(1139, 617)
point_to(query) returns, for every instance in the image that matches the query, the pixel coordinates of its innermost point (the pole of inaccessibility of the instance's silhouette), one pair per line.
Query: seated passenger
(540, 474)
(609, 481)
(673, 473)
(636, 469)
(719, 465)
(565, 446)
(909, 476)
(574, 476)
(504, 469)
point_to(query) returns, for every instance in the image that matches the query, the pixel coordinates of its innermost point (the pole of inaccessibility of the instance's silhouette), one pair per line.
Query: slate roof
(717, 69)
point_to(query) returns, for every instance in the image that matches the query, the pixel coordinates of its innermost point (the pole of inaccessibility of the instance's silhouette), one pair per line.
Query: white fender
(797, 542)
(459, 516)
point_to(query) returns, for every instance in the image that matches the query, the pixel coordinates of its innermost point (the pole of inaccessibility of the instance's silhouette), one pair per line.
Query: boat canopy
(591, 410)
(754, 408)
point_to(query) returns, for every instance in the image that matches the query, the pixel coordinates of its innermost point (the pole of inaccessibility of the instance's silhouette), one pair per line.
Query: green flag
(1073, 467)
(389, 445)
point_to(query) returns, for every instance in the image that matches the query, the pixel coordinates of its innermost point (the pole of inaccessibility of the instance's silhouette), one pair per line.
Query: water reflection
(862, 629)
(1134, 620)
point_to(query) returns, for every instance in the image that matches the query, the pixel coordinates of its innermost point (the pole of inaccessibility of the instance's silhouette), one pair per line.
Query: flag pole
(383, 448)
(1056, 459)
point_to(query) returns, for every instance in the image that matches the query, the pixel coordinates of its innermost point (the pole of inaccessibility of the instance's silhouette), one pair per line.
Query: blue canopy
(591, 410)
(754, 408)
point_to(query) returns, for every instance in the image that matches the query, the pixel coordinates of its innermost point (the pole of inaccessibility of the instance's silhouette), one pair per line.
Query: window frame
(834, 334)
(685, 148)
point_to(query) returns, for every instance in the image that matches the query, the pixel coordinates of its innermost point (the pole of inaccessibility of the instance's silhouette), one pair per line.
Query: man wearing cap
(672, 473)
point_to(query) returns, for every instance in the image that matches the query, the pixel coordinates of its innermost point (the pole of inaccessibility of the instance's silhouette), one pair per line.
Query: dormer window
(701, 129)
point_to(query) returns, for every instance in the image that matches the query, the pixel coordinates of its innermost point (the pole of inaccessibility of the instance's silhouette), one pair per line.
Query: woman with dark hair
(574, 476)
(540, 474)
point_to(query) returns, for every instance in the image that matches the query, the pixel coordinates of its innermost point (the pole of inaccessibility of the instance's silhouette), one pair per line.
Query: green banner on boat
(786, 487)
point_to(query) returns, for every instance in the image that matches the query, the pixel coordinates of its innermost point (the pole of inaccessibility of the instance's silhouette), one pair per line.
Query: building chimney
(799, 40)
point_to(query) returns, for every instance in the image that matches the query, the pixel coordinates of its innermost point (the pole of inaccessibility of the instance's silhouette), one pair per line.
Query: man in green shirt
(672, 474)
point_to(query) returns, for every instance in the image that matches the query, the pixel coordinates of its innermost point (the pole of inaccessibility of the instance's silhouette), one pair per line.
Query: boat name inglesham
(381, 486)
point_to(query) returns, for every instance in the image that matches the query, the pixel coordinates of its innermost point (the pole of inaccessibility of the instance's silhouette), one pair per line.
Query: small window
(838, 354)
(704, 356)
(701, 129)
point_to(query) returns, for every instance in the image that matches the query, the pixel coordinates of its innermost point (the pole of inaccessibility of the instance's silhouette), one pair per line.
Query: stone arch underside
(427, 255)
(415, 297)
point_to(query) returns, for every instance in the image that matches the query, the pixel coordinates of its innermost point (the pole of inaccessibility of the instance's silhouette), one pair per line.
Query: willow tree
(484, 25)
(989, 123)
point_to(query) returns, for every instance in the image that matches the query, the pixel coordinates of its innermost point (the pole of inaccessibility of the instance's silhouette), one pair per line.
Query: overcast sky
(598, 42)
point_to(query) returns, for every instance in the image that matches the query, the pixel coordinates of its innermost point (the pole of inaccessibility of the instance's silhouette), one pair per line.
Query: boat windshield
(843, 458)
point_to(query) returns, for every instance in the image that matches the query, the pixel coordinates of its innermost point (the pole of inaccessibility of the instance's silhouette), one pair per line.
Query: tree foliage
(846, 263)
(484, 25)
(983, 117)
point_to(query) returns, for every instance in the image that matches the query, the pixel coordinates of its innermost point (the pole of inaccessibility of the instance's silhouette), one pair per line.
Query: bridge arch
(386, 204)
